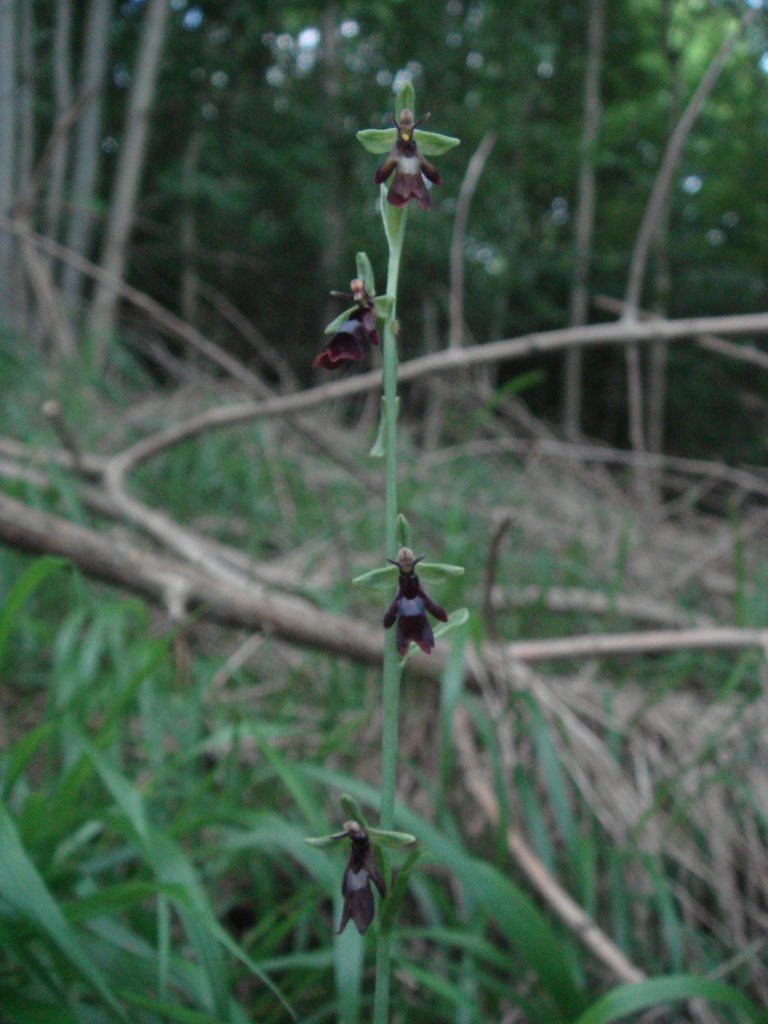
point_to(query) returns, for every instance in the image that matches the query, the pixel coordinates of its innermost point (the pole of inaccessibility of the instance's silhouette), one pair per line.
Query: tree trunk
(87, 148)
(25, 165)
(63, 99)
(126, 184)
(657, 371)
(7, 151)
(585, 215)
(334, 190)
(649, 225)
(190, 278)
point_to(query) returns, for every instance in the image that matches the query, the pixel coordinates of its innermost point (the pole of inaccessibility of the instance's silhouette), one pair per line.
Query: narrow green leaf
(22, 886)
(394, 840)
(293, 782)
(395, 219)
(167, 1011)
(321, 842)
(163, 946)
(365, 273)
(377, 140)
(379, 447)
(352, 810)
(438, 572)
(405, 99)
(437, 984)
(391, 906)
(433, 144)
(22, 752)
(112, 900)
(19, 592)
(172, 867)
(455, 619)
(378, 579)
(17, 1009)
(403, 531)
(624, 1000)
(341, 319)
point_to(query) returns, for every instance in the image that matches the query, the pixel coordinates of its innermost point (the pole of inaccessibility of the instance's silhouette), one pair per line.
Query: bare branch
(447, 361)
(710, 342)
(724, 638)
(229, 600)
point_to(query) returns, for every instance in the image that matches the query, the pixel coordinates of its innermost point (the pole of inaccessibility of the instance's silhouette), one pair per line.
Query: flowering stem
(394, 223)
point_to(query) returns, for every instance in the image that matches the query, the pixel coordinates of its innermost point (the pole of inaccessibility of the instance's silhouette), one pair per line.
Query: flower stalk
(394, 226)
(400, 180)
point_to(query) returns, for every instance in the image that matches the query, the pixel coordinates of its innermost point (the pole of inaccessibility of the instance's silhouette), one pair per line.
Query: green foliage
(152, 863)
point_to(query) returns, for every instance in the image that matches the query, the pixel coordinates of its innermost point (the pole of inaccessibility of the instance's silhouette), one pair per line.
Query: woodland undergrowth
(185, 762)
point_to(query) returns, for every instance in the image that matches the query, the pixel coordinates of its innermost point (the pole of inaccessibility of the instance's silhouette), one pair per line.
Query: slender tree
(125, 188)
(7, 147)
(585, 214)
(87, 148)
(62, 102)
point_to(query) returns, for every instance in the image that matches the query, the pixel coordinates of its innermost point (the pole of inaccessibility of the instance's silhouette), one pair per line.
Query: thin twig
(489, 575)
(52, 411)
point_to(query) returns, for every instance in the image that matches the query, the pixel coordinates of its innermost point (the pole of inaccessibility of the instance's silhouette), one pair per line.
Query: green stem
(394, 223)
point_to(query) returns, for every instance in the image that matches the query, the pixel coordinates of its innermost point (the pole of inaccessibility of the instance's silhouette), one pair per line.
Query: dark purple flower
(408, 166)
(347, 344)
(410, 607)
(360, 871)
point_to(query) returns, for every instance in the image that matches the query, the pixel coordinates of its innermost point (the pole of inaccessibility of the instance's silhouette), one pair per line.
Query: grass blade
(627, 999)
(22, 886)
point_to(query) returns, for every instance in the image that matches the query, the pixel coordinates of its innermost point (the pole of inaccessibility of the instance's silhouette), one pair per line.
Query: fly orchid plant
(373, 318)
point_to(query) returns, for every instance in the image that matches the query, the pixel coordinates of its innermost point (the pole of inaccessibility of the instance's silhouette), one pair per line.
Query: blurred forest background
(188, 679)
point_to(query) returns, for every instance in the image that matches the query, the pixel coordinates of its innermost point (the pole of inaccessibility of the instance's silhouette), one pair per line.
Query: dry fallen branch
(591, 602)
(537, 343)
(230, 599)
(604, 645)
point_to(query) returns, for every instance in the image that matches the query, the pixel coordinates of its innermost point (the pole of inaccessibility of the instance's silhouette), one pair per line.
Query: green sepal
(455, 619)
(433, 573)
(393, 840)
(433, 144)
(389, 910)
(383, 304)
(405, 99)
(378, 579)
(365, 273)
(394, 218)
(379, 447)
(322, 841)
(341, 319)
(403, 531)
(438, 572)
(352, 810)
(377, 140)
